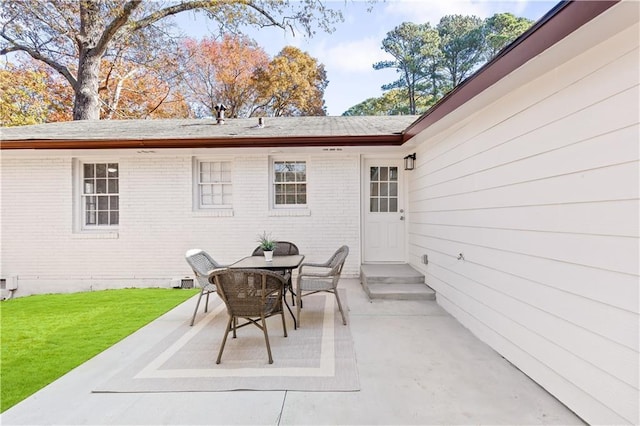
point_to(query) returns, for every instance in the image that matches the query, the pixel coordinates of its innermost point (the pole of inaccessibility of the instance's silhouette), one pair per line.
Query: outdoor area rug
(319, 356)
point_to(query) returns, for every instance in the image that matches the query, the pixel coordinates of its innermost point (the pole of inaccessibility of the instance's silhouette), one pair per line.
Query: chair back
(336, 262)
(249, 292)
(283, 248)
(202, 264)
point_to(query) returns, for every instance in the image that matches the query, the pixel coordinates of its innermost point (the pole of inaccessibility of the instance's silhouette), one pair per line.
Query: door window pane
(393, 189)
(383, 189)
(384, 173)
(374, 173)
(393, 173)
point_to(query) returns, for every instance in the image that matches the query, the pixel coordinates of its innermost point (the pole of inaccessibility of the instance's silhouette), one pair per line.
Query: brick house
(524, 200)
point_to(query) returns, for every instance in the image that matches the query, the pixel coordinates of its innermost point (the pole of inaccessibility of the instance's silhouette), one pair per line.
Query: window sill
(289, 212)
(213, 213)
(96, 235)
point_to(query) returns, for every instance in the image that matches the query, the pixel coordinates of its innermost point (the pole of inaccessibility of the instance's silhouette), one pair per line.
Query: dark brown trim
(239, 142)
(559, 22)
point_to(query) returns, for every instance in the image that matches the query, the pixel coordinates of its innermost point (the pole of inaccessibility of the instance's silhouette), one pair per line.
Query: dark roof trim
(559, 22)
(240, 142)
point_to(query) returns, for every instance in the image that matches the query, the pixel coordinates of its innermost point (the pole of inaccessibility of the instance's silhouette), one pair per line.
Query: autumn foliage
(292, 84)
(238, 73)
(222, 72)
(130, 91)
(75, 38)
(234, 71)
(31, 94)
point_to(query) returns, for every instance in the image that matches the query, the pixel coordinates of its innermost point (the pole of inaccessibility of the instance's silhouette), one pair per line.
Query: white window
(99, 195)
(383, 192)
(213, 188)
(289, 184)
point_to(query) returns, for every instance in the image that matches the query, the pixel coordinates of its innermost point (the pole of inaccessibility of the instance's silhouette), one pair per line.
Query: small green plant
(266, 243)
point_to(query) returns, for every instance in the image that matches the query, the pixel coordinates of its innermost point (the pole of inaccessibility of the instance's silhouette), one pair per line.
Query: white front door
(383, 211)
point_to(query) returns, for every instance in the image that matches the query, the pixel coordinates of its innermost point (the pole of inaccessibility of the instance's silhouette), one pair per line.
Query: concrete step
(394, 281)
(391, 274)
(400, 292)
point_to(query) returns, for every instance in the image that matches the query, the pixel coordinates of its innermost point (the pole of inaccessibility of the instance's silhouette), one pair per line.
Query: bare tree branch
(17, 47)
(197, 4)
(116, 24)
(164, 98)
(168, 11)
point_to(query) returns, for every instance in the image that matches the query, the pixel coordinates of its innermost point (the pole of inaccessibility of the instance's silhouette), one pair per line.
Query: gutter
(395, 139)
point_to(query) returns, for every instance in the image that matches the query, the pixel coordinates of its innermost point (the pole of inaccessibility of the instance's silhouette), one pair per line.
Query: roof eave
(235, 142)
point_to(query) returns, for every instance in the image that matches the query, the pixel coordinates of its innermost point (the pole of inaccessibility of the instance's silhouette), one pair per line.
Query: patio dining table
(279, 263)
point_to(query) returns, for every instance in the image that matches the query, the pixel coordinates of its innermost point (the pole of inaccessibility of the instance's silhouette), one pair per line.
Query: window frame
(79, 198)
(272, 183)
(219, 209)
(383, 194)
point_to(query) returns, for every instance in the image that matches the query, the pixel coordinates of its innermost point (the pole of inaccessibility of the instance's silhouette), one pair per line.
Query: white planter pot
(268, 256)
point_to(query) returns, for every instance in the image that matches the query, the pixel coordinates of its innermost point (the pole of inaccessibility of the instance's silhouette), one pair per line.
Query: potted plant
(267, 245)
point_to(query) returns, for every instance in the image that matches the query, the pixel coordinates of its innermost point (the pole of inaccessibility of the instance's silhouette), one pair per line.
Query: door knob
(401, 217)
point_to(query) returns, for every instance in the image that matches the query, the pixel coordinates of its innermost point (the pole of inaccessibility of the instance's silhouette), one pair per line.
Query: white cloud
(352, 55)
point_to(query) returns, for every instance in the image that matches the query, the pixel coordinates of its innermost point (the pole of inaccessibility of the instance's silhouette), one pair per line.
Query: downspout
(10, 296)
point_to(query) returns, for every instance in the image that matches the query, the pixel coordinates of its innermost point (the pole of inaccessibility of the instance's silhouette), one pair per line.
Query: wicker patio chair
(316, 277)
(283, 248)
(250, 294)
(202, 264)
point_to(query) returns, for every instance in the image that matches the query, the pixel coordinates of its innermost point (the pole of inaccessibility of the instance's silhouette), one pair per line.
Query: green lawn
(45, 336)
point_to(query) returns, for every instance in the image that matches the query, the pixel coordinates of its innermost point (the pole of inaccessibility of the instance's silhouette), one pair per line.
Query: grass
(45, 336)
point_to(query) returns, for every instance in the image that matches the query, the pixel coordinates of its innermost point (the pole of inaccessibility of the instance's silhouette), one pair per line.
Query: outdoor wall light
(410, 161)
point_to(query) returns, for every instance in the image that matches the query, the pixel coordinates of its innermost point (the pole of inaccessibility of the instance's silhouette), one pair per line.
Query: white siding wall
(157, 224)
(539, 192)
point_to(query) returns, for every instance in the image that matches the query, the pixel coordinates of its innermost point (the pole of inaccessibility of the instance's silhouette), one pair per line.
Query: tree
(462, 46)
(32, 93)
(74, 37)
(222, 72)
(140, 88)
(392, 102)
(32, 96)
(292, 84)
(21, 94)
(415, 48)
(130, 91)
(501, 29)
(433, 61)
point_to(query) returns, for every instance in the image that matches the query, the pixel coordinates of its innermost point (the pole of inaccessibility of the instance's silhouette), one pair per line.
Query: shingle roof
(206, 132)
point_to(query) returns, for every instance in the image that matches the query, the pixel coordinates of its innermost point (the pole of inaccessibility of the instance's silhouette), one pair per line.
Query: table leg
(295, 323)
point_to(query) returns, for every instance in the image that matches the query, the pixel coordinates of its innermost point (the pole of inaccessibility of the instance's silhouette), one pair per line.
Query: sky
(348, 54)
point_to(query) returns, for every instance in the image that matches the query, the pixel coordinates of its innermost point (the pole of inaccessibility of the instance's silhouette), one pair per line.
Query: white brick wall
(157, 222)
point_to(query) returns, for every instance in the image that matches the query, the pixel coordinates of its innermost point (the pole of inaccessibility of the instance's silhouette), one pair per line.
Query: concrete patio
(417, 365)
